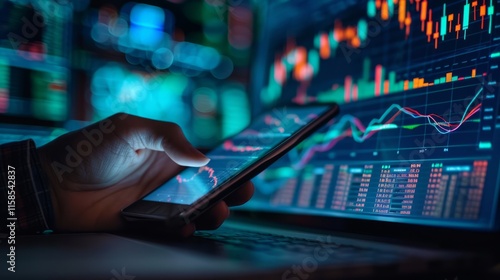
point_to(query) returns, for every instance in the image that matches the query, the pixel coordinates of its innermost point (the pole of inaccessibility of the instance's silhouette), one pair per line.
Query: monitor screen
(416, 140)
(34, 61)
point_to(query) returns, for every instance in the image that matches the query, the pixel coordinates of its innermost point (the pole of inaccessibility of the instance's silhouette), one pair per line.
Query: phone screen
(235, 154)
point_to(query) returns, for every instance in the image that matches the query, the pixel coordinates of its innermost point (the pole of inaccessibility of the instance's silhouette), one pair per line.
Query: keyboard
(289, 247)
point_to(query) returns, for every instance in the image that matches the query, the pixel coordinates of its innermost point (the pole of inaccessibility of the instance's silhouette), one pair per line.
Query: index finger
(142, 133)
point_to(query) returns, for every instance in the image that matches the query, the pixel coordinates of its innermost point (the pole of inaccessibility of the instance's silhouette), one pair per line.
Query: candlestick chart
(417, 85)
(397, 34)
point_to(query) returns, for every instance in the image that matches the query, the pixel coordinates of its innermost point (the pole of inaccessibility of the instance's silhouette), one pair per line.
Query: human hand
(97, 171)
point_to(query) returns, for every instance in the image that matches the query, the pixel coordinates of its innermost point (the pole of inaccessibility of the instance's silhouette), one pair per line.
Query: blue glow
(147, 16)
(162, 58)
(235, 108)
(147, 24)
(196, 56)
(156, 96)
(465, 168)
(145, 37)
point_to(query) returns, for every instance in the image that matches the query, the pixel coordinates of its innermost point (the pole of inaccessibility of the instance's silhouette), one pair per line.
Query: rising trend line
(360, 133)
(202, 169)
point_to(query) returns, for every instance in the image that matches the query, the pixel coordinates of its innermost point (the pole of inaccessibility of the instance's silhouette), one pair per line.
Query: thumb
(163, 136)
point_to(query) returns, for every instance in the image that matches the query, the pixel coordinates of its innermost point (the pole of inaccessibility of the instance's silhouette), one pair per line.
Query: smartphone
(238, 159)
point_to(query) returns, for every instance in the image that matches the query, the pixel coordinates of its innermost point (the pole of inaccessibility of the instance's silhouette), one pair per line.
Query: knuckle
(120, 116)
(173, 127)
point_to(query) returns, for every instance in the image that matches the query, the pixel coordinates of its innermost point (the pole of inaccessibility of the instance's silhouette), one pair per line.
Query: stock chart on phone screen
(417, 137)
(235, 154)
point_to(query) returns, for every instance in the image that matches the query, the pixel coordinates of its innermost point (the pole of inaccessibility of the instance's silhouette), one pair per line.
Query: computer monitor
(417, 137)
(35, 69)
(34, 61)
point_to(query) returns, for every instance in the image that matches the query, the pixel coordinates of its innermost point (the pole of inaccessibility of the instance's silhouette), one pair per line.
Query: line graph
(350, 126)
(204, 169)
(230, 146)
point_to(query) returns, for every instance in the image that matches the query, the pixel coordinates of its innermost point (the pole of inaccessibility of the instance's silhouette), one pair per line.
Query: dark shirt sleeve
(24, 191)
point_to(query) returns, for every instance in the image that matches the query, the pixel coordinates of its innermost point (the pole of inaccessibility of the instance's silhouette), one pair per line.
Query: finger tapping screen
(235, 154)
(418, 137)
